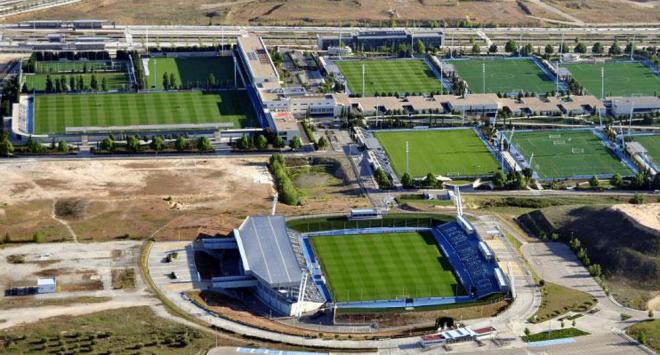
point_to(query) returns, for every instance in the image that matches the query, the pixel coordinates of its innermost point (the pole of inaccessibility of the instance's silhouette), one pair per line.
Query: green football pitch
(384, 267)
(504, 75)
(53, 113)
(114, 81)
(390, 76)
(564, 154)
(621, 78)
(652, 146)
(191, 72)
(445, 152)
(79, 66)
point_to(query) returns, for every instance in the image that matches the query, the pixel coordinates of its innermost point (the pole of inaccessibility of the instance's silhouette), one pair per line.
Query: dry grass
(30, 301)
(123, 279)
(616, 10)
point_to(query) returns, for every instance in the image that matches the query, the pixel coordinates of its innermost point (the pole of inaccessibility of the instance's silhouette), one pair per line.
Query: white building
(46, 286)
(621, 106)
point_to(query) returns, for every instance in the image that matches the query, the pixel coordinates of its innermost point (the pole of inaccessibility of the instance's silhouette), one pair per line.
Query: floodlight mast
(363, 73)
(407, 159)
(483, 72)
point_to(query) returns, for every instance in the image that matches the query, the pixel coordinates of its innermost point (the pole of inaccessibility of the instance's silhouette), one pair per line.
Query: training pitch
(384, 267)
(390, 76)
(192, 72)
(79, 66)
(504, 75)
(652, 146)
(565, 154)
(621, 78)
(53, 113)
(441, 152)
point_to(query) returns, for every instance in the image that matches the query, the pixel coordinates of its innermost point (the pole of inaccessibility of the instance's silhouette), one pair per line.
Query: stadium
(367, 268)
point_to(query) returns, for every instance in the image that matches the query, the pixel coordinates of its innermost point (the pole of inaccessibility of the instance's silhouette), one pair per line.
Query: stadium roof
(266, 251)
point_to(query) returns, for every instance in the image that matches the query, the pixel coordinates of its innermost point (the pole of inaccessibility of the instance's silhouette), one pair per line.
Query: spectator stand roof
(266, 251)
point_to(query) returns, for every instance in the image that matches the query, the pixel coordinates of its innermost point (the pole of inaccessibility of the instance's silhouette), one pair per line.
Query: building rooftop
(266, 251)
(635, 100)
(258, 58)
(284, 121)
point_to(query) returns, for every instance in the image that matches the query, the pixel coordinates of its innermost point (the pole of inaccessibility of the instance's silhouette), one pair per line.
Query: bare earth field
(120, 199)
(502, 12)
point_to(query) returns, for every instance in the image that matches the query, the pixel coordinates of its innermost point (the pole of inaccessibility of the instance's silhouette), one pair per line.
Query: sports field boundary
(313, 265)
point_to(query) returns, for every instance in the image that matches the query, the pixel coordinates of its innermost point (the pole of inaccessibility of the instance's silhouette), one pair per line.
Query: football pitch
(441, 152)
(191, 72)
(504, 75)
(564, 154)
(53, 113)
(390, 76)
(78, 66)
(114, 80)
(652, 146)
(385, 266)
(621, 78)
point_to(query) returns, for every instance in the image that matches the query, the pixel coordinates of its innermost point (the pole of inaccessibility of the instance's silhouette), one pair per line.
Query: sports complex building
(399, 268)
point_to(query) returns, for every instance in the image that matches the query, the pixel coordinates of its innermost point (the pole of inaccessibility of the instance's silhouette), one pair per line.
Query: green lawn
(504, 75)
(78, 66)
(652, 330)
(652, 145)
(114, 80)
(191, 72)
(390, 76)
(384, 266)
(444, 152)
(53, 113)
(554, 334)
(563, 153)
(621, 79)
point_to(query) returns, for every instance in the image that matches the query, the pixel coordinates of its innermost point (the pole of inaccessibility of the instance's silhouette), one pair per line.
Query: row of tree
(287, 192)
(73, 84)
(511, 46)
(133, 144)
(429, 182)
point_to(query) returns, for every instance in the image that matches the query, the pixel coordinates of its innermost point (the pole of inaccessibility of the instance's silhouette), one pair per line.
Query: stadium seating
(476, 273)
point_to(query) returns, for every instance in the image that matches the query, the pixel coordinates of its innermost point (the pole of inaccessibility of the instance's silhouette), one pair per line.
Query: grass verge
(554, 334)
(557, 300)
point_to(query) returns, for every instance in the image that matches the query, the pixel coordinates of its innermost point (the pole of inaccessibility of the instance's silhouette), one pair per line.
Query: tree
(49, 84)
(406, 181)
(616, 180)
(597, 48)
(104, 84)
(211, 80)
(382, 179)
(94, 84)
(549, 49)
(166, 81)
(561, 324)
(278, 142)
(630, 47)
(527, 50)
(81, 83)
(499, 180)
(594, 182)
(580, 48)
(72, 83)
(476, 49)
(420, 47)
(573, 323)
(322, 143)
(108, 144)
(6, 148)
(637, 199)
(650, 313)
(527, 332)
(6, 239)
(641, 337)
(34, 146)
(511, 46)
(157, 143)
(62, 147)
(492, 48)
(38, 237)
(181, 144)
(173, 84)
(133, 144)
(430, 181)
(295, 143)
(261, 142)
(204, 144)
(615, 49)
(656, 182)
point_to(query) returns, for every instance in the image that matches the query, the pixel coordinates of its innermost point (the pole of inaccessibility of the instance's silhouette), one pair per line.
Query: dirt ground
(645, 216)
(124, 199)
(616, 10)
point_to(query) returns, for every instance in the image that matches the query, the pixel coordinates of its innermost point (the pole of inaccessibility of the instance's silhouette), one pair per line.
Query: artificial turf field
(53, 113)
(621, 78)
(504, 75)
(114, 80)
(390, 76)
(564, 154)
(191, 72)
(384, 266)
(652, 145)
(442, 152)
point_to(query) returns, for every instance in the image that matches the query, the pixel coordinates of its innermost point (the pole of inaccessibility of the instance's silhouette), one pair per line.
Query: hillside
(628, 253)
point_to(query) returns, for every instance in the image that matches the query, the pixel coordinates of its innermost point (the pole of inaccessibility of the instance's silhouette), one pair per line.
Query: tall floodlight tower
(557, 78)
(363, 88)
(561, 46)
(602, 83)
(520, 45)
(483, 72)
(632, 48)
(407, 159)
(222, 38)
(235, 71)
(632, 110)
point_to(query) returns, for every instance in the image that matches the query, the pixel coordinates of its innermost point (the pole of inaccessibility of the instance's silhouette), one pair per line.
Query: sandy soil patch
(646, 216)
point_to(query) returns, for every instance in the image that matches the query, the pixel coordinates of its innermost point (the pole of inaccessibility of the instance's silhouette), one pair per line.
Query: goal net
(558, 142)
(577, 150)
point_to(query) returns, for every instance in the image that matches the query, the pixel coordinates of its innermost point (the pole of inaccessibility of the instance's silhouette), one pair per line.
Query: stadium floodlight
(363, 74)
(407, 159)
(483, 72)
(602, 82)
(557, 79)
(632, 48)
